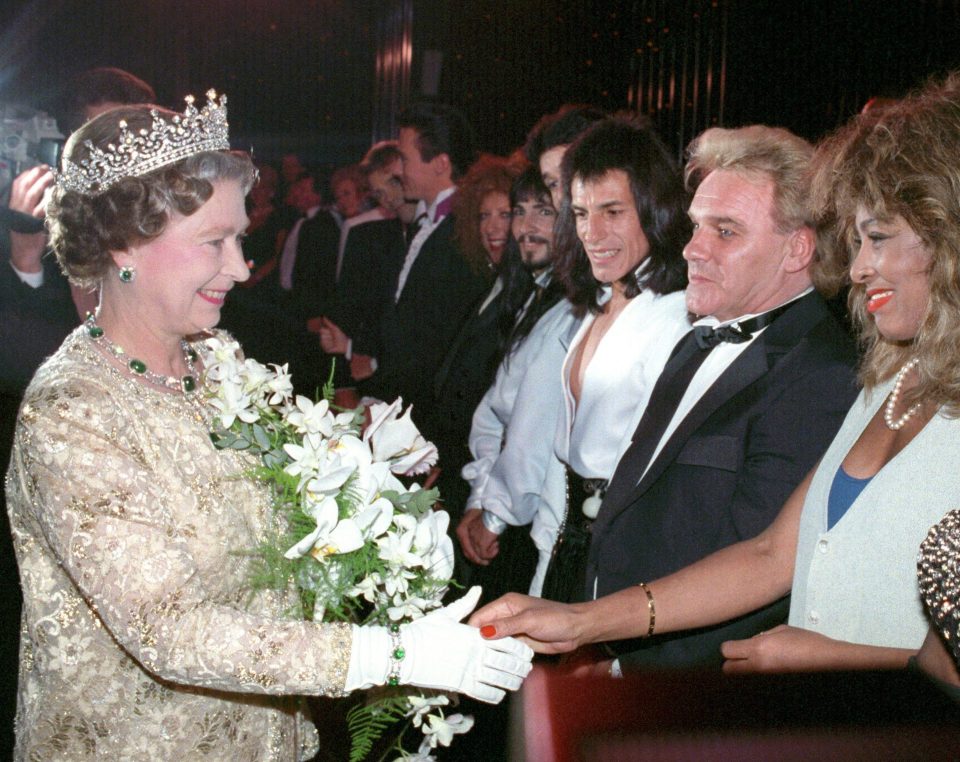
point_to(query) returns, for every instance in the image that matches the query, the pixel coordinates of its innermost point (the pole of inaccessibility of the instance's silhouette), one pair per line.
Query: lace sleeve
(134, 507)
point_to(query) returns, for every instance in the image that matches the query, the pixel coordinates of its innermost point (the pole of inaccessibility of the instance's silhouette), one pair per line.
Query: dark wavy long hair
(628, 144)
(518, 282)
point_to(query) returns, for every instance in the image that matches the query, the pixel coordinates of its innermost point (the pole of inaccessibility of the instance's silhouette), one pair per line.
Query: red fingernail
(488, 631)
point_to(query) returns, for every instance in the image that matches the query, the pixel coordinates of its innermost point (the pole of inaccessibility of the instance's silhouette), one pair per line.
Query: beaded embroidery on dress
(938, 568)
(140, 639)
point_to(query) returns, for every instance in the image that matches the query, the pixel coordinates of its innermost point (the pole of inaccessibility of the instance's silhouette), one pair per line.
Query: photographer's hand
(27, 196)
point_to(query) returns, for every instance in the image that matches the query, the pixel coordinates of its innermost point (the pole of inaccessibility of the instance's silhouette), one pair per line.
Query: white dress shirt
(720, 358)
(288, 256)
(34, 280)
(371, 215)
(593, 434)
(429, 224)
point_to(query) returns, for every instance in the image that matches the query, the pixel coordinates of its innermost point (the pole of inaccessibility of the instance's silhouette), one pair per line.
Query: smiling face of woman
(183, 275)
(892, 266)
(495, 216)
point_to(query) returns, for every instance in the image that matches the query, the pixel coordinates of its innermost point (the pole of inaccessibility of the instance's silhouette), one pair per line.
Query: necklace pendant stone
(95, 331)
(137, 366)
(188, 383)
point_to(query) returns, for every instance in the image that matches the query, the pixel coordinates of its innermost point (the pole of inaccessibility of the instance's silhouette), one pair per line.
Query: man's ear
(801, 245)
(441, 164)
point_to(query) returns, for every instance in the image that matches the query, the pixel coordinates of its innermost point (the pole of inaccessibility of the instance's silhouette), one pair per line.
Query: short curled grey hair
(85, 228)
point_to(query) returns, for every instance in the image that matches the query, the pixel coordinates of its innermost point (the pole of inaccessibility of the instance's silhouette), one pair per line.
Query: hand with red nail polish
(546, 626)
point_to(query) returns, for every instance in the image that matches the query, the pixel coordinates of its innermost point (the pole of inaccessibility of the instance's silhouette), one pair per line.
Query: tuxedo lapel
(478, 323)
(782, 335)
(746, 369)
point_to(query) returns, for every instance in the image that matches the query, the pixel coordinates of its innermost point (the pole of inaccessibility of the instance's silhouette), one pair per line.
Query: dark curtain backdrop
(325, 77)
(689, 64)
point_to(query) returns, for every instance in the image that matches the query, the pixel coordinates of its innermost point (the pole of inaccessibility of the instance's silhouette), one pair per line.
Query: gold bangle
(651, 609)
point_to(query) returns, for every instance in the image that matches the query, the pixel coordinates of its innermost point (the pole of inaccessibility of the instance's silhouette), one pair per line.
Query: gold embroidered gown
(140, 639)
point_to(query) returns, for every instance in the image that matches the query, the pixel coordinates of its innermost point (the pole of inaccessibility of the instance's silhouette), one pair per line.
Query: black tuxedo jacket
(315, 267)
(372, 257)
(416, 331)
(463, 378)
(725, 472)
(33, 323)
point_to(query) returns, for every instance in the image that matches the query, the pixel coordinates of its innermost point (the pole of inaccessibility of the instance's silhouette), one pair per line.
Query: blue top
(844, 490)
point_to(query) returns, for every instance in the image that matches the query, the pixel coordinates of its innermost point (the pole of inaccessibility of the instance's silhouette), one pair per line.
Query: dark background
(323, 77)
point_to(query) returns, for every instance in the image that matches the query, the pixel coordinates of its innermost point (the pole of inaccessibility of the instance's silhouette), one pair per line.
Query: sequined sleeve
(125, 496)
(939, 572)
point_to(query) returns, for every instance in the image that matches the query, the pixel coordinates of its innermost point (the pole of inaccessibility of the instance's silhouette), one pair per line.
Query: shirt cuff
(615, 670)
(493, 523)
(34, 280)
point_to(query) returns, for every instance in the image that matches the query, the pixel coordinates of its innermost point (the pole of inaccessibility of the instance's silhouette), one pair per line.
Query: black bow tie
(738, 331)
(708, 337)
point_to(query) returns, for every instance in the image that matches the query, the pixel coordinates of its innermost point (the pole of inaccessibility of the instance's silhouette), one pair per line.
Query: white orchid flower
(420, 705)
(422, 755)
(404, 522)
(398, 440)
(318, 464)
(306, 458)
(380, 414)
(368, 588)
(418, 461)
(396, 585)
(328, 481)
(376, 518)
(372, 479)
(220, 358)
(413, 607)
(441, 730)
(395, 549)
(255, 376)
(280, 385)
(332, 535)
(433, 543)
(233, 403)
(310, 417)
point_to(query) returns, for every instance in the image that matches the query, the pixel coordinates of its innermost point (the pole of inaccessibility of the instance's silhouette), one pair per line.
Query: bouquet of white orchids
(359, 545)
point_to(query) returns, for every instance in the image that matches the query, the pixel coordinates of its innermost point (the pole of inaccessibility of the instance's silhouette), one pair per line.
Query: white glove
(443, 654)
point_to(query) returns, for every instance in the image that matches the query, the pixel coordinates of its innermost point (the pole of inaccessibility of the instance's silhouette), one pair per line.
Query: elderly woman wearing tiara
(845, 543)
(140, 639)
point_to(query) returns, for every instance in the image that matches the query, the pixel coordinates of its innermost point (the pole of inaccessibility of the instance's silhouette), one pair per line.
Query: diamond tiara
(138, 153)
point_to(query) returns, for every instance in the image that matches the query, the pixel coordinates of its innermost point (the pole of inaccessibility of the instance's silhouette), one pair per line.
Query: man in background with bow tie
(435, 287)
(750, 398)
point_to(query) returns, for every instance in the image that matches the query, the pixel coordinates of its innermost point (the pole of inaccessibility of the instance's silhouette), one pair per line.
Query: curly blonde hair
(902, 161)
(84, 228)
(489, 174)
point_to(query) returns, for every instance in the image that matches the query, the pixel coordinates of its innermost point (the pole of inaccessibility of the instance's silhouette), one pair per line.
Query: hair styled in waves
(86, 227)
(630, 145)
(902, 162)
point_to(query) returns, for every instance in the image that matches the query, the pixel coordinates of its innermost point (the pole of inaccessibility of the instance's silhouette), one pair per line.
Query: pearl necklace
(899, 423)
(185, 384)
